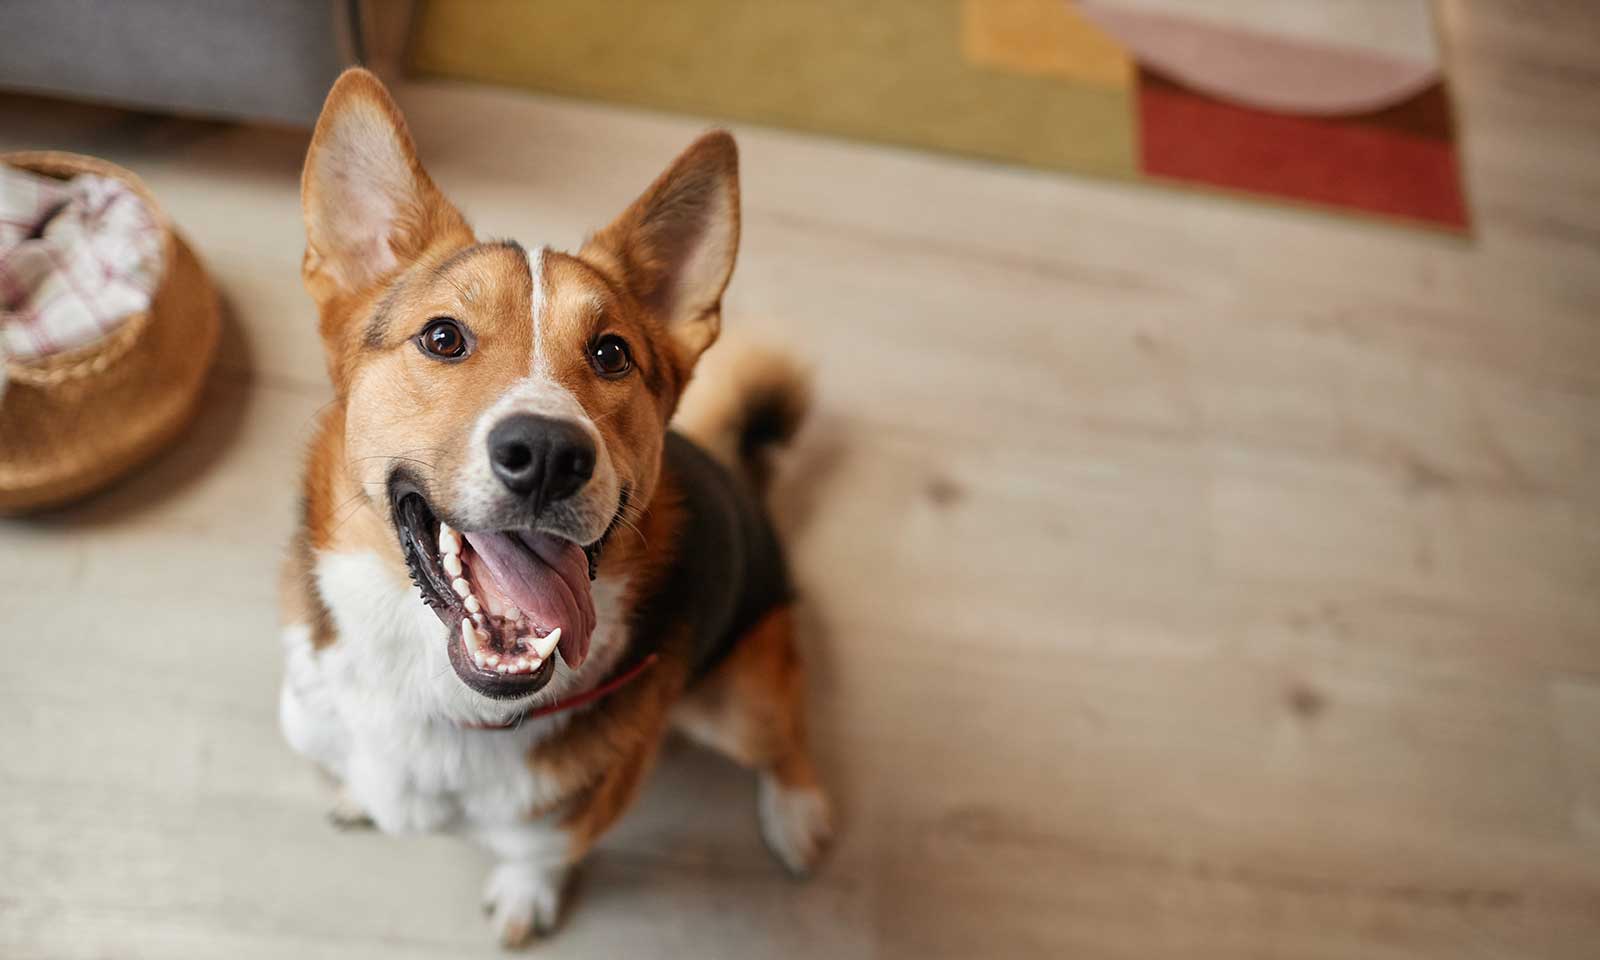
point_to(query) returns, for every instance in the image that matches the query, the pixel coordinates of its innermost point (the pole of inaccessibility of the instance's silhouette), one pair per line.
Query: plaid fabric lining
(77, 258)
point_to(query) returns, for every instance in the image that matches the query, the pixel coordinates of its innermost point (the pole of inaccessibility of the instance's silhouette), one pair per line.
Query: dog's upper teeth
(452, 564)
(461, 587)
(449, 540)
(472, 604)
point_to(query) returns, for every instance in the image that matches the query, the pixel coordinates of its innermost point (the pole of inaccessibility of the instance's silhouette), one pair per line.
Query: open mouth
(512, 600)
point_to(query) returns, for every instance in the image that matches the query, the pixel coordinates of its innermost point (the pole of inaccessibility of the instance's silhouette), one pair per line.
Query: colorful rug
(1339, 105)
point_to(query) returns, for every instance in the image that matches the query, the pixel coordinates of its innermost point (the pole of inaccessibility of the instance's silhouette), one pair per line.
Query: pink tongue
(548, 579)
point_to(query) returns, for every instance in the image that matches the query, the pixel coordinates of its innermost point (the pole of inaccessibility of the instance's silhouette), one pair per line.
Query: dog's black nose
(541, 458)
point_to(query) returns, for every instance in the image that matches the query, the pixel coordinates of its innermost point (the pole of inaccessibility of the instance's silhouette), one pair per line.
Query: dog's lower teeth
(545, 645)
(474, 628)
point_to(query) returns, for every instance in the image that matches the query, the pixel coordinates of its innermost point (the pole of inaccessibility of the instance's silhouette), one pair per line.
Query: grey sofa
(258, 59)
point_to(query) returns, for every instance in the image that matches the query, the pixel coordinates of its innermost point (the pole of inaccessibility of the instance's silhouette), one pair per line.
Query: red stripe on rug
(1361, 163)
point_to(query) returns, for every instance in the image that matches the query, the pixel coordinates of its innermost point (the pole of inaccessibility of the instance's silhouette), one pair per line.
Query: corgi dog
(511, 578)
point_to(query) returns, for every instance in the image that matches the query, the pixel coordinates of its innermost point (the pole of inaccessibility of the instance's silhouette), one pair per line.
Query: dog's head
(505, 406)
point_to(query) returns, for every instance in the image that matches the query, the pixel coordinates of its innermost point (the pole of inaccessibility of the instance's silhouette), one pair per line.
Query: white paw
(347, 814)
(408, 812)
(523, 899)
(396, 807)
(796, 823)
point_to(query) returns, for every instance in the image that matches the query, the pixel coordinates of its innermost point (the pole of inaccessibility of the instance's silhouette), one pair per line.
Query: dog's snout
(541, 458)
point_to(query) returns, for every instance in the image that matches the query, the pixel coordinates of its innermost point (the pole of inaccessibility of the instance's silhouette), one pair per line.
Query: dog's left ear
(369, 206)
(674, 247)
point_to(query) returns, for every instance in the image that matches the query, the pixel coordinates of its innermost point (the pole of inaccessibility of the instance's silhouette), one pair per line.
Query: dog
(511, 578)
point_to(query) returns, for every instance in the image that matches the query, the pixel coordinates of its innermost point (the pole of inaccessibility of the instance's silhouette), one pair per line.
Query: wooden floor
(1184, 578)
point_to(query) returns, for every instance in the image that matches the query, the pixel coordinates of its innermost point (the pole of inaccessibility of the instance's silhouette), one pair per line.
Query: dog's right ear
(369, 206)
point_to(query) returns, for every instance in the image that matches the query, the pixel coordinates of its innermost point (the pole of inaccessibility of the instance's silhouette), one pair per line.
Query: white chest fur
(382, 709)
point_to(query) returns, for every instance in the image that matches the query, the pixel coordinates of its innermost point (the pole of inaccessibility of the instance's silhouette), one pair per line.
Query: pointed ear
(369, 206)
(674, 247)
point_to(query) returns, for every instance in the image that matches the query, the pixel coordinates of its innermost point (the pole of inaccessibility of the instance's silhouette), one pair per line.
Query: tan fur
(336, 276)
(752, 707)
(299, 602)
(734, 382)
(636, 249)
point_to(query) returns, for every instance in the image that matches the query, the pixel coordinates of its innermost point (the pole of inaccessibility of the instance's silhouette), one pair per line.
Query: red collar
(576, 700)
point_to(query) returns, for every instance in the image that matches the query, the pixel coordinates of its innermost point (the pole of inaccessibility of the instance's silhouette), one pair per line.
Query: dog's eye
(443, 338)
(610, 356)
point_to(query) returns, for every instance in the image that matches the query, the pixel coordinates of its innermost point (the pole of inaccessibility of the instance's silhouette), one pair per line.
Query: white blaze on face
(540, 365)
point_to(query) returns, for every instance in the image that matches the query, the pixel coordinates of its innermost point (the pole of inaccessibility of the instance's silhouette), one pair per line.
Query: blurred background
(1199, 533)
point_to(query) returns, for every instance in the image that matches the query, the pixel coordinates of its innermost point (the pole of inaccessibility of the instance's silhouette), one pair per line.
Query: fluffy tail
(743, 402)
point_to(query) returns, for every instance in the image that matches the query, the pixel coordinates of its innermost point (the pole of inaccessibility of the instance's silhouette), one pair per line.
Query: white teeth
(544, 645)
(449, 540)
(461, 587)
(469, 636)
(452, 564)
(491, 660)
(522, 664)
(473, 606)
(502, 668)
(477, 617)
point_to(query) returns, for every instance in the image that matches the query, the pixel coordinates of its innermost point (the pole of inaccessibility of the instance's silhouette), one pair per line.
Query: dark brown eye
(443, 338)
(610, 356)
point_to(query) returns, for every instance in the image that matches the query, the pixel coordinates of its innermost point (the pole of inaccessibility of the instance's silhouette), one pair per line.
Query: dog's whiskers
(634, 527)
(354, 503)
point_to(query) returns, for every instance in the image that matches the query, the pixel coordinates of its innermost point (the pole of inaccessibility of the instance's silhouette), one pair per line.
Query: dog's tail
(744, 402)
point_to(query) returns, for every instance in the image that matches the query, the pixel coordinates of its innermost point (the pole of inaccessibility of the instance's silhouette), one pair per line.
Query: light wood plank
(1183, 577)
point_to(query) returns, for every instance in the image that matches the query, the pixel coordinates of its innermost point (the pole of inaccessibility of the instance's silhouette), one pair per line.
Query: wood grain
(1183, 578)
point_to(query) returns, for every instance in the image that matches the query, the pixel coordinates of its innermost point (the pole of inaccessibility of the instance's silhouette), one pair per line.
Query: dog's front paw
(524, 900)
(382, 791)
(347, 814)
(796, 823)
